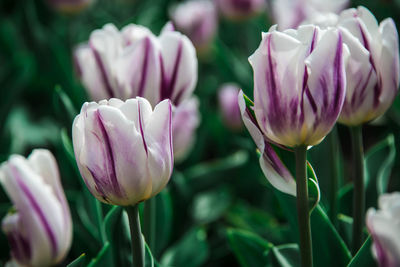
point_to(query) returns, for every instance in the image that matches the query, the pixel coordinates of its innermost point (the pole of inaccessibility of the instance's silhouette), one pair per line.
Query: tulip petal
(273, 168)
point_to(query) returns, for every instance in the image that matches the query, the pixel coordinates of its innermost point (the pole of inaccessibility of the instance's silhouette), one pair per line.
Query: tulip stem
(358, 193)
(136, 236)
(334, 179)
(99, 213)
(150, 222)
(303, 213)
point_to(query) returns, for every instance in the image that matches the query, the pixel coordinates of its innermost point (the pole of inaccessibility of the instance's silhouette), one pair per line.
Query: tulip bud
(186, 119)
(384, 226)
(239, 9)
(70, 6)
(299, 84)
(228, 103)
(373, 68)
(40, 230)
(290, 13)
(124, 149)
(198, 20)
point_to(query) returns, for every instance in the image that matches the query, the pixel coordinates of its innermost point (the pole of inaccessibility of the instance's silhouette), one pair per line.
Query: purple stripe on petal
(145, 64)
(141, 129)
(110, 162)
(168, 83)
(20, 247)
(103, 72)
(99, 186)
(170, 132)
(271, 157)
(37, 209)
(338, 62)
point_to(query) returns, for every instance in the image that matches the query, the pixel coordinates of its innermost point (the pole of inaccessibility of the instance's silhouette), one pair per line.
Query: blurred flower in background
(70, 6)
(124, 149)
(290, 13)
(384, 226)
(240, 9)
(228, 106)
(40, 229)
(134, 62)
(198, 19)
(186, 119)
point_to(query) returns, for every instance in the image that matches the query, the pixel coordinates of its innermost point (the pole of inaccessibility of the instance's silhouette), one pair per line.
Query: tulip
(198, 20)
(40, 229)
(124, 149)
(384, 226)
(373, 68)
(228, 103)
(70, 6)
(185, 120)
(299, 84)
(239, 9)
(290, 13)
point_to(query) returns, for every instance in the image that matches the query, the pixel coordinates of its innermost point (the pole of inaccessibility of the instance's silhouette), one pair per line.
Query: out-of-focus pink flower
(228, 104)
(185, 120)
(290, 13)
(198, 20)
(240, 9)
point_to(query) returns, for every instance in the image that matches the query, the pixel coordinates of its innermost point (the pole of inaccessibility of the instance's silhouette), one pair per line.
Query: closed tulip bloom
(198, 20)
(70, 6)
(290, 13)
(373, 67)
(124, 149)
(240, 9)
(185, 120)
(384, 226)
(228, 104)
(299, 84)
(40, 229)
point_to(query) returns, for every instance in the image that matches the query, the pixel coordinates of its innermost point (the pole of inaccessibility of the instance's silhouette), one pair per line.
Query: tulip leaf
(78, 262)
(325, 239)
(99, 260)
(66, 103)
(364, 257)
(313, 187)
(287, 255)
(191, 251)
(345, 224)
(164, 218)
(250, 249)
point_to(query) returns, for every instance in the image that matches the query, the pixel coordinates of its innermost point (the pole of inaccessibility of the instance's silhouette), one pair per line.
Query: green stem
(334, 179)
(358, 181)
(302, 206)
(99, 214)
(136, 236)
(150, 222)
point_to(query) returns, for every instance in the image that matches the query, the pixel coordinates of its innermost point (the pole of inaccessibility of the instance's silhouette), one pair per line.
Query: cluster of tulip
(319, 70)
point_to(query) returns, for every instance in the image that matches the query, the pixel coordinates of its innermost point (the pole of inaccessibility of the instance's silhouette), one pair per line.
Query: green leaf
(287, 255)
(364, 257)
(99, 260)
(191, 251)
(314, 194)
(78, 262)
(67, 103)
(164, 217)
(250, 249)
(345, 228)
(210, 205)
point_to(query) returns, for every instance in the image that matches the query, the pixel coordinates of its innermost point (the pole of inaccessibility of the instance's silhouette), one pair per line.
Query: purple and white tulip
(290, 13)
(198, 20)
(134, 62)
(124, 149)
(228, 105)
(240, 9)
(299, 84)
(40, 230)
(70, 6)
(373, 68)
(384, 226)
(185, 120)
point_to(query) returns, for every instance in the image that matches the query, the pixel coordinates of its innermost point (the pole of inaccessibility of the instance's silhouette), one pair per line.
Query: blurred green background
(218, 209)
